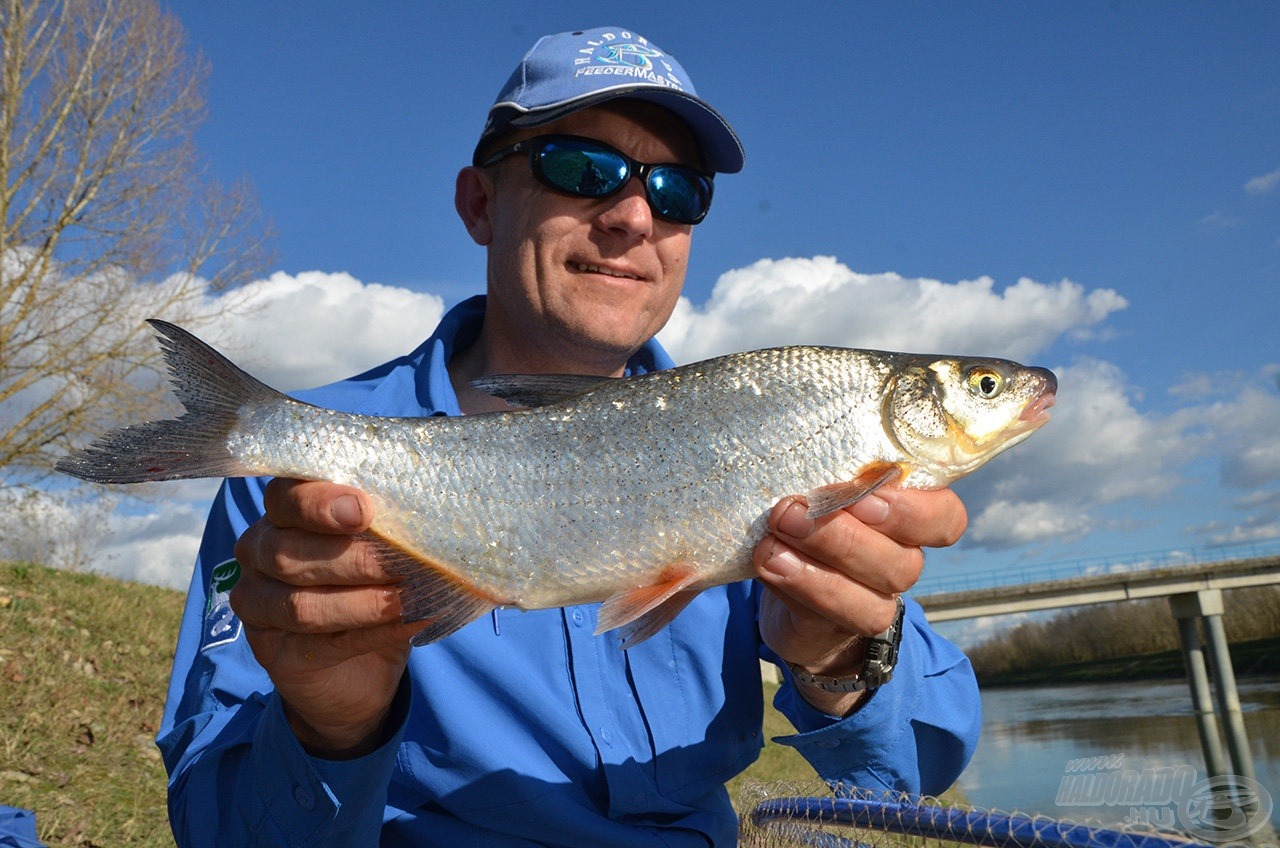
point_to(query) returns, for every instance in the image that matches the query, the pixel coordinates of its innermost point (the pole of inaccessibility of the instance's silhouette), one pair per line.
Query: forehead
(644, 131)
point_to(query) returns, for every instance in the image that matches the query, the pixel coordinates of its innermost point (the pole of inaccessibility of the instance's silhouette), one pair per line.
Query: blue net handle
(969, 826)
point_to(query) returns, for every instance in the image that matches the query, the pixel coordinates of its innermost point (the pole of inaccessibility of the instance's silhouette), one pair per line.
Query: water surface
(1034, 737)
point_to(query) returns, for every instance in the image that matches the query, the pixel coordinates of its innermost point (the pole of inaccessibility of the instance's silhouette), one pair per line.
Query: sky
(1091, 187)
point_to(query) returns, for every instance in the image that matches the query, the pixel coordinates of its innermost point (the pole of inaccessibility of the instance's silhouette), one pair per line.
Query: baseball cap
(569, 71)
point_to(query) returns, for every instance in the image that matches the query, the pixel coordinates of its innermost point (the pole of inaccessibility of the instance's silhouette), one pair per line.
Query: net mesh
(779, 815)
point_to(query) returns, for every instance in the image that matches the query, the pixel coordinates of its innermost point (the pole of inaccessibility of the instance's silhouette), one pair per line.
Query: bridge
(1088, 582)
(1192, 581)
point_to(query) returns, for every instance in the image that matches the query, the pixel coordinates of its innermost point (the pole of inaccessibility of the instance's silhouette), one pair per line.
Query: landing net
(782, 816)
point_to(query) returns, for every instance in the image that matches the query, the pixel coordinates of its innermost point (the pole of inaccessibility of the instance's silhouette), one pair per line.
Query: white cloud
(1263, 184)
(1098, 449)
(1006, 524)
(823, 301)
(1234, 419)
(157, 542)
(296, 331)
(1239, 414)
(1101, 450)
(1219, 220)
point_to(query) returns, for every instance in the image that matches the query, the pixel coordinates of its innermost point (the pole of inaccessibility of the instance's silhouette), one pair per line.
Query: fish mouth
(604, 270)
(1037, 412)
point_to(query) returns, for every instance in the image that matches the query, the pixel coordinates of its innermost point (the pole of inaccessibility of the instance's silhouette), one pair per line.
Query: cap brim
(720, 146)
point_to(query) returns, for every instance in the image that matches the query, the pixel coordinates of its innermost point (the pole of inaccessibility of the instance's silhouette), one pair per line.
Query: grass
(84, 664)
(777, 763)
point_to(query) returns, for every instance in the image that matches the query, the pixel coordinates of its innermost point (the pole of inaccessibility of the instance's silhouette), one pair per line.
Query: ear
(472, 193)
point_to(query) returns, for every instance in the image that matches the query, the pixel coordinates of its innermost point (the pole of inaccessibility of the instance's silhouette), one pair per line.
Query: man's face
(587, 281)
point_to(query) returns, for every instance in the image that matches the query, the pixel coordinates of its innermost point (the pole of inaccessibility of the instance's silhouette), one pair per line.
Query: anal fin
(645, 610)
(827, 499)
(430, 593)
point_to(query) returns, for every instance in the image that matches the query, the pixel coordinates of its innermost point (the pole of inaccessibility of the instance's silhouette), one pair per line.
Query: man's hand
(833, 580)
(322, 616)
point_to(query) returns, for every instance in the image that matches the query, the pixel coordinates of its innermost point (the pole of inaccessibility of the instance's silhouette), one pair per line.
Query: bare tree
(106, 217)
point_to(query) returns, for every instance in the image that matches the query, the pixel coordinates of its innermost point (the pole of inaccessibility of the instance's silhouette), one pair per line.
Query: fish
(636, 492)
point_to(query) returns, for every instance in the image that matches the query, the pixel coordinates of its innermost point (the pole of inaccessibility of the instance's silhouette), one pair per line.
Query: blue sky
(1093, 187)
(1107, 143)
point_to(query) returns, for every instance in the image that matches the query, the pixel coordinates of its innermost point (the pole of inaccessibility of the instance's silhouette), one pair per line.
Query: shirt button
(578, 617)
(606, 736)
(306, 800)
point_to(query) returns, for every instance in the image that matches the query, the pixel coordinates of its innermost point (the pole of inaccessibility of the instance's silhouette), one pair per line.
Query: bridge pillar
(1206, 606)
(1187, 610)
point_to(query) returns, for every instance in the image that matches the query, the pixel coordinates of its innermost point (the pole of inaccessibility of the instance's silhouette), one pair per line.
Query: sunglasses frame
(643, 170)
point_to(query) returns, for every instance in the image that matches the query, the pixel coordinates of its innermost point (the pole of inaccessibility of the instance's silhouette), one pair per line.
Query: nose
(1050, 379)
(627, 213)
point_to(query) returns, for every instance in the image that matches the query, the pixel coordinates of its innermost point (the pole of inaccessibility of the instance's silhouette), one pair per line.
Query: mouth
(1037, 412)
(591, 268)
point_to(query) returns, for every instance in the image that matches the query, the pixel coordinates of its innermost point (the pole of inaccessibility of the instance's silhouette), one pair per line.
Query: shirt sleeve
(914, 734)
(237, 774)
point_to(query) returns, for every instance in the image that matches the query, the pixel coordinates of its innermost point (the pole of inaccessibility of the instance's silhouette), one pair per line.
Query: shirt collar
(459, 328)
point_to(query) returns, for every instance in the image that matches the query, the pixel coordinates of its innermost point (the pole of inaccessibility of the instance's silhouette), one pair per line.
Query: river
(1037, 740)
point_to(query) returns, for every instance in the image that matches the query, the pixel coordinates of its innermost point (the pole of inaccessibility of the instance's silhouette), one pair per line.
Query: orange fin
(655, 619)
(827, 499)
(648, 608)
(428, 592)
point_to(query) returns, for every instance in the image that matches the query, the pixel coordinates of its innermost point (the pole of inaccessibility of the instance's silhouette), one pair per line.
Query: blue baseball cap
(574, 70)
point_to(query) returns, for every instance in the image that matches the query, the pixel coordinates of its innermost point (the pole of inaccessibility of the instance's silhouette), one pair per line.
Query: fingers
(833, 549)
(317, 506)
(838, 574)
(929, 519)
(308, 536)
(305, 558)
(266, 603)
(302, 568)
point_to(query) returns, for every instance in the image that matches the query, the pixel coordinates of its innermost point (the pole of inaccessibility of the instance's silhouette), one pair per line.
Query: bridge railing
(1088, 566)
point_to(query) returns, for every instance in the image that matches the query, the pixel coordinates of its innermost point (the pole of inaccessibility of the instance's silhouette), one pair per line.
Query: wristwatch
(880, 658)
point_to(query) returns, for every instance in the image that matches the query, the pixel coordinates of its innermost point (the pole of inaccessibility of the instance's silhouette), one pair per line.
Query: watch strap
(880, 658)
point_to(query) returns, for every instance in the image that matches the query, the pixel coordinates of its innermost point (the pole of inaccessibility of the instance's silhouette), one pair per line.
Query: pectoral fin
(827, 499)
(655, 619)
(645, 610)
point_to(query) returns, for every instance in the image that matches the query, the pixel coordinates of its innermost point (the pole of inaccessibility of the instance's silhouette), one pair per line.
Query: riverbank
(1251, 658)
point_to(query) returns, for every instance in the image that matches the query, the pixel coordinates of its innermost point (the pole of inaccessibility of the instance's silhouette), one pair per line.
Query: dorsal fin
(538, 389)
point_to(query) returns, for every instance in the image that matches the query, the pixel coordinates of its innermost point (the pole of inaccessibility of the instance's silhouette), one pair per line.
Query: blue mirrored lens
(586, 172)
(679, 194)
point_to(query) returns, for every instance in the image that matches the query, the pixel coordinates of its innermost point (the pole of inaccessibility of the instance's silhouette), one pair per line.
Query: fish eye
(985, 383)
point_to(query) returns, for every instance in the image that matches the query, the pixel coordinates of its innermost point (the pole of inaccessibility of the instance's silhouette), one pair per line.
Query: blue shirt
(523, 728)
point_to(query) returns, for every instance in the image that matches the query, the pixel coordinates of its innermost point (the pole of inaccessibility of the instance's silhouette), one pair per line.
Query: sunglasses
(584, 167)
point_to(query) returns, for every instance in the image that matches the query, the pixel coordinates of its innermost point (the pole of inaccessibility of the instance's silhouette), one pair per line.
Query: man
(298, 713)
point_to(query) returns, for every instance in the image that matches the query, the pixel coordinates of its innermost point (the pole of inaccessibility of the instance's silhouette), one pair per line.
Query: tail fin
(212, 389)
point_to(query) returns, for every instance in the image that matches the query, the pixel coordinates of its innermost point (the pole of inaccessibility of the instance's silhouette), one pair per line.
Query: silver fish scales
(637, 492)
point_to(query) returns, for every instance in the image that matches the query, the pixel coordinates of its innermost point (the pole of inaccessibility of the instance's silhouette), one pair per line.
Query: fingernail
(346, 511)
(783, 562)
(795, 521)
(872, 509)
